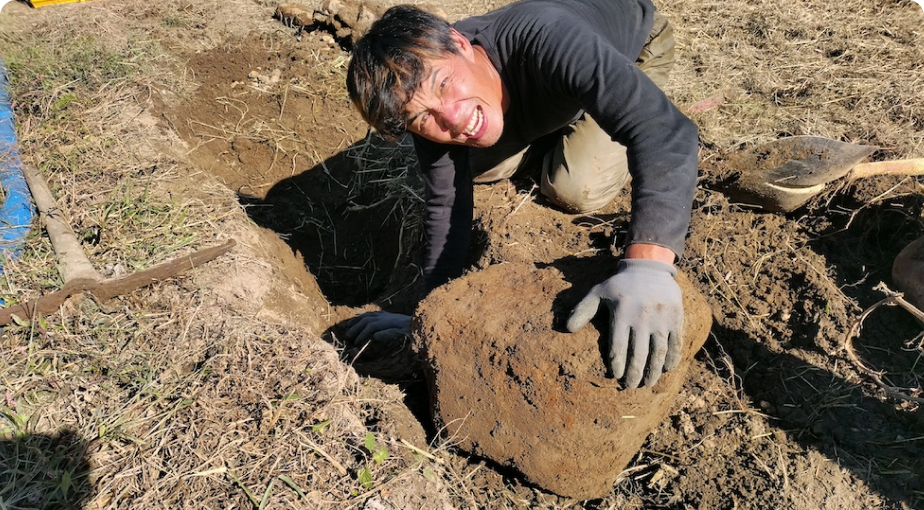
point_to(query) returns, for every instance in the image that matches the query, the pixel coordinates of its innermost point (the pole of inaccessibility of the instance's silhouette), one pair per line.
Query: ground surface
(207, 390)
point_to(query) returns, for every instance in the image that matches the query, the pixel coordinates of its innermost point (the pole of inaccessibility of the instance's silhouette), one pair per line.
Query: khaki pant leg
(657, 56)
(586, 169)
(503, 170)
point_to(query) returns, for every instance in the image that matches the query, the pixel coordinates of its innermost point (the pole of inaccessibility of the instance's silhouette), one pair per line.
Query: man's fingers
(619, 345)
(674, 350)
(361, 317)
(370, 324)
(656, 357)
(640, 348)
(357, 325)
(388, 334)
(583, 312)
(364, 330)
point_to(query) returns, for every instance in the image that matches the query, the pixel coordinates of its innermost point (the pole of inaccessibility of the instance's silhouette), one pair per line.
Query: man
(583, 73)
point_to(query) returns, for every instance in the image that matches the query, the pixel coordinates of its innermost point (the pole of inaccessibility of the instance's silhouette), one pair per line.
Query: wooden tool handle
(73, 263)
(897, 167)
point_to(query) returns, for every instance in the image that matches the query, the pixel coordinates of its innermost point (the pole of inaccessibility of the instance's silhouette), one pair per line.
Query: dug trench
(770, 403)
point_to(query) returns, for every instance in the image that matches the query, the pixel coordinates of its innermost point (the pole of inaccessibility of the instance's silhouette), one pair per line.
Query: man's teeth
(474, 124)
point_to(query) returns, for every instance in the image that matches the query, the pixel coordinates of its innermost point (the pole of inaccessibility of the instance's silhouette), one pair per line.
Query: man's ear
(462, 43)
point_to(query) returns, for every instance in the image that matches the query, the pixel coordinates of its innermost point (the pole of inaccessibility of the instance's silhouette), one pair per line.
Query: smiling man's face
(461, 101)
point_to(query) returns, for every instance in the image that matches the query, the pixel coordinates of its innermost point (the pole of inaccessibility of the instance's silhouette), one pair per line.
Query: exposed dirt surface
(265, 113)
(772, 413)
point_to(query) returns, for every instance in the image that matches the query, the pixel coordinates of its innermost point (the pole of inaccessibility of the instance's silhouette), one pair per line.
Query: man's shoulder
(534, 16)
(525, 13)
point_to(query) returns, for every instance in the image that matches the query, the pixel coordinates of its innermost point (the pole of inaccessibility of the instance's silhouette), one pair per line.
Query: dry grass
(170, 396)
(386, 173)
(176, 396)
(847, 71)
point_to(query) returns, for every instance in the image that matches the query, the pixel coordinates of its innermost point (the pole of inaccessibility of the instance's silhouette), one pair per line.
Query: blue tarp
(17, 211)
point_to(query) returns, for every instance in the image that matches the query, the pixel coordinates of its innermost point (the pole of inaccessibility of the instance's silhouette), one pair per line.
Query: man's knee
(575, 201)
(579, 189)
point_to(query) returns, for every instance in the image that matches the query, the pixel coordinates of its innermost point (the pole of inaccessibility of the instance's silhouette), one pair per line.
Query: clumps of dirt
(908, 272)
(779, 420)
(512, 387)
(346, 20)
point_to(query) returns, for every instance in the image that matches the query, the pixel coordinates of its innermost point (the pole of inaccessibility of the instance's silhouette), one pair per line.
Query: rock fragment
(346, 20)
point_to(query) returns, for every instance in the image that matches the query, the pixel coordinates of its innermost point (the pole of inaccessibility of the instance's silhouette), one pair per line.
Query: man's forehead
(433, 63)
(428, 82)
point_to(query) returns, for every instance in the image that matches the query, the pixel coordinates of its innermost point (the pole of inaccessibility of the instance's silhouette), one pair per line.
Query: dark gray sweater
(559, 59)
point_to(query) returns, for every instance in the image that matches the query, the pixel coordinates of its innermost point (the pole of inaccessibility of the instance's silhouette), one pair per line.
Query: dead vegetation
(204, 392)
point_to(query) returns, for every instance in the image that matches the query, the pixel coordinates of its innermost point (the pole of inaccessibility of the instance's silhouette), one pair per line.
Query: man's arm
(644, 303)
(650, 252)
(449, 210)
(448, 223)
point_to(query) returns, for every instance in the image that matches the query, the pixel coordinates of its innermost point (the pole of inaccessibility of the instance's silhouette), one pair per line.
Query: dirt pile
(510, 385)
(347, 21)
(908, 272)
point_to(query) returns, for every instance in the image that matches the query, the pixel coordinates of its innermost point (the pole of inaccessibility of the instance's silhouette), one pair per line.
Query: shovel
(784, 174)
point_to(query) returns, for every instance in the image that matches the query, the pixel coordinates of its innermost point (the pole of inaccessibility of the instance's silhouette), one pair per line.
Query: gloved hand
(378, 326)
(646, 310)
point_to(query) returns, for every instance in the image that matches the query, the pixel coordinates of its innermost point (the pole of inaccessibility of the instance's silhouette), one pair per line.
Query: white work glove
(378, 326)
(646, 312)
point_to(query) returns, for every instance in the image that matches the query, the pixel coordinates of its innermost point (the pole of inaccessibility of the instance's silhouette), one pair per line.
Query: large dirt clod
(908, 272)
(345, 19)
(508, 385)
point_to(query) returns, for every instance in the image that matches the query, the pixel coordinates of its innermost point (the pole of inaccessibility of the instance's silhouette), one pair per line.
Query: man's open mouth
(475, 124)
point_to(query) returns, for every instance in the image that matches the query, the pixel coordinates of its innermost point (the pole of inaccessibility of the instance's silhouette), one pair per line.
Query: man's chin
(483, 142)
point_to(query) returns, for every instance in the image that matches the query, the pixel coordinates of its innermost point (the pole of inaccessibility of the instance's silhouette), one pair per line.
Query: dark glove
(646, 310)
(378, 326)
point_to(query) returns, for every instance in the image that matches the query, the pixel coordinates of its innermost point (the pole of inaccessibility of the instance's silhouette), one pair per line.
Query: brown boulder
(509, 384)
(908, 272)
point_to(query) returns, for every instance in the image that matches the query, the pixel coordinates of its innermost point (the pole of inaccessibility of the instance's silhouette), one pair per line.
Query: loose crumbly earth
(213, 389)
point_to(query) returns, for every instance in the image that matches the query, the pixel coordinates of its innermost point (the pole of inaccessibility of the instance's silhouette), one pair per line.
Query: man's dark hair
(390, 61)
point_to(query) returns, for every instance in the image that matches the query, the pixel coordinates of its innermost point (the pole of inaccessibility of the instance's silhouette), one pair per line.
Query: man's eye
(443, 83)
(424, 117)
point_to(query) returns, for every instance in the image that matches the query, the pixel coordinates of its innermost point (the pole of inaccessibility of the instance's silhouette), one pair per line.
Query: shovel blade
(805, 161)
(785, 174)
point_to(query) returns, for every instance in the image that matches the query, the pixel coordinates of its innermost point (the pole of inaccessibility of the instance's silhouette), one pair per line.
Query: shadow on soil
(46, 472)
(861, 248)
(850, 422)
(355, 218)
(861, 432)
(355, 226)
(861, 240)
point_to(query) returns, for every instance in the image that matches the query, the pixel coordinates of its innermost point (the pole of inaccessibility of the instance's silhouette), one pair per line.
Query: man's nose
(447, 118)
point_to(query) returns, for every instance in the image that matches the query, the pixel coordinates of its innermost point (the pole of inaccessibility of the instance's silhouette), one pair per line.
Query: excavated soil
(772, 414)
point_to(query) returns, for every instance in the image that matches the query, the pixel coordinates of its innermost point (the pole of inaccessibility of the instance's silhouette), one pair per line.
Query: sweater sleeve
(449, 209)
(662, 143)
